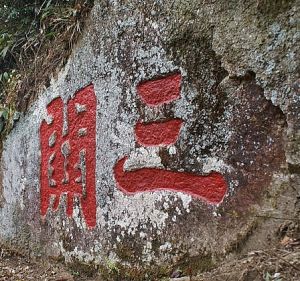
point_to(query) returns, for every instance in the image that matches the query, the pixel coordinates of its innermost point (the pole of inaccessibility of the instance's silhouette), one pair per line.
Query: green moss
(191, 266)
(116, 271)
(126, 252)
(82, 270)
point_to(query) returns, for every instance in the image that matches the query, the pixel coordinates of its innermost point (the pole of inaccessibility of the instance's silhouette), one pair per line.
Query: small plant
(5, 44)
(270, 277)
(6, 118)
(6, 77)
(112, 266)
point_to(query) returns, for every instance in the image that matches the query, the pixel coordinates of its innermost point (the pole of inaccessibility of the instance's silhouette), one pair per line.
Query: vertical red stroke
(85, 119)
(160, 91)
(55, 112)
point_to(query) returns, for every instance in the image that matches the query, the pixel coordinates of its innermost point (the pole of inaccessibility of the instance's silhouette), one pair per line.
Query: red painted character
(211, 187)
(68, 154)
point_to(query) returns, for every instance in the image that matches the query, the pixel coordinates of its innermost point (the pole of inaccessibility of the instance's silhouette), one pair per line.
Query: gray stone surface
(240, 104)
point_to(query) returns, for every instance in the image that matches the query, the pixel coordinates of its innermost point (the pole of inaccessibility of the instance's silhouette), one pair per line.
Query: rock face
(174, 125)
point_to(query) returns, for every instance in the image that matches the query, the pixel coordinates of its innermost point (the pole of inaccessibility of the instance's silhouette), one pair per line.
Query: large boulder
(172, 130)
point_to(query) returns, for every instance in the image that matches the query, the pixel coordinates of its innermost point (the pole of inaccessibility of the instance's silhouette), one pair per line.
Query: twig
(283, 260)
(277, 218)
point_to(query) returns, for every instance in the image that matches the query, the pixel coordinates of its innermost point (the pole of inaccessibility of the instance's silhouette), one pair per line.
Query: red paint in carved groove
(160, 91)
(210, 188)
(158, 133)
(76, 121)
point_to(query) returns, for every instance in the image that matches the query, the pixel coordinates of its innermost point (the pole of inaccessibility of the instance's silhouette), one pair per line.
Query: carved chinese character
(68, 154)
(211, 187)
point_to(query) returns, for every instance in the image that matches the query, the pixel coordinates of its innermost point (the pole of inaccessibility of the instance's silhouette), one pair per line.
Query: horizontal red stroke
(158, 133)
(161, 90)
(210, 188)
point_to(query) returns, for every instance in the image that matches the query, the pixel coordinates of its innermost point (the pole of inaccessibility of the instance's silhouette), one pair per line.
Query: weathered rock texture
(239, 104)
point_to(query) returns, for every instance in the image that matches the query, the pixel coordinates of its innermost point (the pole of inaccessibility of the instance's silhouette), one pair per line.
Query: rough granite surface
(240, 104)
